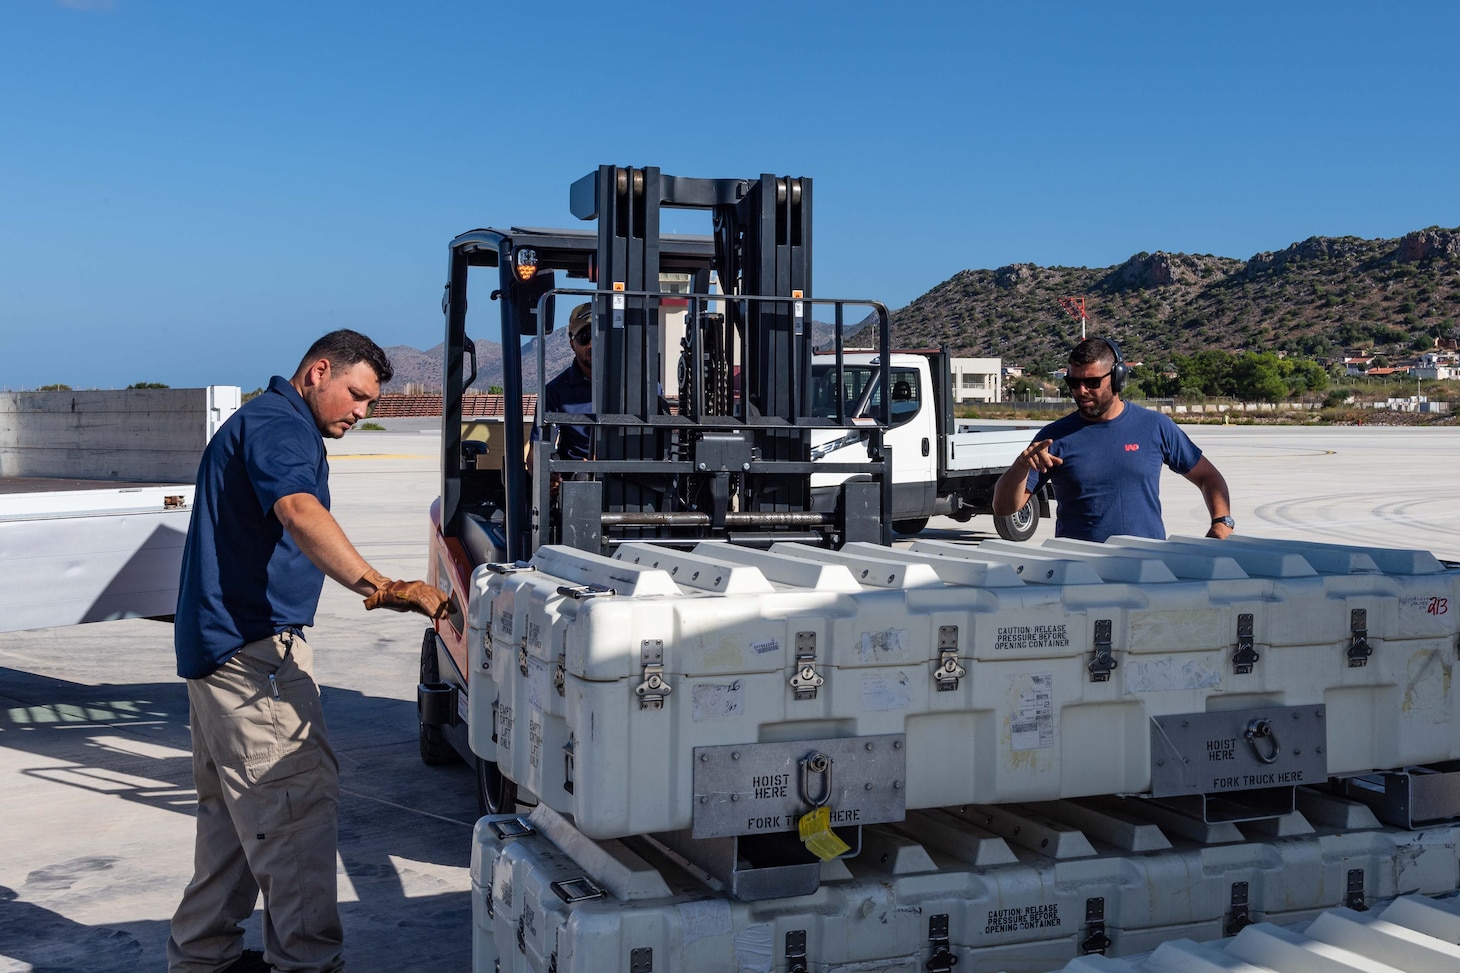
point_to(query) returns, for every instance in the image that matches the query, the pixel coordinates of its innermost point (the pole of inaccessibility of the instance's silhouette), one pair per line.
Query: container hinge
(502, 567)
(494, 721)
(1104, 663)
(514, 828)
(806, 680)
(522, 933)
(942, 960)
(796, 951)
(949, 671)
(1095, 940)
(1359, 649)
(653, 689)
(560, 675)
(568, 749)
(553, 962)
(641, 960)
(579, 889)
(581, 592)
(487, 650)
(1239, 918)
(1354, 899)
(522, 657)
(1246, 656)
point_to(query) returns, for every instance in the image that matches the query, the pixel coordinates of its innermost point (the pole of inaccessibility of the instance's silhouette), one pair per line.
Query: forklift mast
(735, 461)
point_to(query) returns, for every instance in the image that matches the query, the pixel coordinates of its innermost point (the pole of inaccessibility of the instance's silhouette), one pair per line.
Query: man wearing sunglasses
(572, 389)
(1104, 459)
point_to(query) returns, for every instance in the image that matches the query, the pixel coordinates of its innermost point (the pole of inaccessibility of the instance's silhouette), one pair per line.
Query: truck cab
(941, 465)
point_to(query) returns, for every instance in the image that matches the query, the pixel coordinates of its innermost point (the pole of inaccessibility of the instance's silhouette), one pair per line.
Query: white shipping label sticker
(1171, 672)
(769, 645)
(880, 646)
(1031, 725)
(886, 692)
(754, 950)
(705, 917)
(537, 683)
(718, 701)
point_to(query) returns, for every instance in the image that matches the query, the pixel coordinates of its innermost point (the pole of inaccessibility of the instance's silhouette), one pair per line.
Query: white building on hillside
(977, 379)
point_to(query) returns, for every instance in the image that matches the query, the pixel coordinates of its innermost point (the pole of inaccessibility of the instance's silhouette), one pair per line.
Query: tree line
(1250, 377)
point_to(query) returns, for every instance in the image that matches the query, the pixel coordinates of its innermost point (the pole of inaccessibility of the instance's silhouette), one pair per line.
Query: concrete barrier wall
(132, 434)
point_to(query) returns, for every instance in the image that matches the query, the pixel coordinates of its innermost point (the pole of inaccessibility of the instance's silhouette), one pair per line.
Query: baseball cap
(582, 317)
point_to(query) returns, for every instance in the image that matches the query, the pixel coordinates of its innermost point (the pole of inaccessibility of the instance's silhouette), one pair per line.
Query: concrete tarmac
(96, 801)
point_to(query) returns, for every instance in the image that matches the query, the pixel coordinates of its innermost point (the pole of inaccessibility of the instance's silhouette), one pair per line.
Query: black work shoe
(252, 961)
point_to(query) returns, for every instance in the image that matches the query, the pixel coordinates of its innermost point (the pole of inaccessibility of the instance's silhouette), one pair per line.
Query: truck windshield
(906, 393)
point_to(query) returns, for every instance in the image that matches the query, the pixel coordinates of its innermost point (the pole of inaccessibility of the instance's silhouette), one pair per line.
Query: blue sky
(191, 191)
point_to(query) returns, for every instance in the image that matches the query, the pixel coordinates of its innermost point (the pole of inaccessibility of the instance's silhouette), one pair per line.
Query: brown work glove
(406, 596)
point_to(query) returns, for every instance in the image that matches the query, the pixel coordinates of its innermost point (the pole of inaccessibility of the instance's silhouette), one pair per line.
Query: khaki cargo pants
(268, 795)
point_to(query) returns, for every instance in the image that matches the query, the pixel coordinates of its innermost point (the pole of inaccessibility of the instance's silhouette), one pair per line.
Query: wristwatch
(1228, 521)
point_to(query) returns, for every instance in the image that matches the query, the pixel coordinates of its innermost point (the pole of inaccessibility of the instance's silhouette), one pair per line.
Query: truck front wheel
(1019, 526)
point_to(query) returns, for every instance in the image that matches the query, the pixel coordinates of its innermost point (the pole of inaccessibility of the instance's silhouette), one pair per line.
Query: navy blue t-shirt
(570, 391)
(243, 577)
(1109, 482)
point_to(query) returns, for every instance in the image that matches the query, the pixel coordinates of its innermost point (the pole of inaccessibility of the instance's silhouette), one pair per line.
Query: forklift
(729, 462)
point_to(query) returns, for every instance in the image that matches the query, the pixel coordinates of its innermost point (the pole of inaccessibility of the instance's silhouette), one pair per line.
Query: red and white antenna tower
(1076, 307)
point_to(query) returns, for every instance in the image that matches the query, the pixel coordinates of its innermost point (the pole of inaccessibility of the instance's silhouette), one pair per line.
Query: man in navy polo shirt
(259, 545)
(1104, 459)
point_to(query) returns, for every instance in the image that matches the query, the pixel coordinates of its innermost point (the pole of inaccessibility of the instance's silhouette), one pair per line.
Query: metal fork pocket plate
(756, 788)
(1238, 750)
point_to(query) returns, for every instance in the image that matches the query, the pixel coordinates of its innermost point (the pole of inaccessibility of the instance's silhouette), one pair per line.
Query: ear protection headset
(1118, 372)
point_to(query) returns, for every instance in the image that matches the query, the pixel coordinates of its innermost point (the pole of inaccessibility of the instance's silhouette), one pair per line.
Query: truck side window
(905, 398)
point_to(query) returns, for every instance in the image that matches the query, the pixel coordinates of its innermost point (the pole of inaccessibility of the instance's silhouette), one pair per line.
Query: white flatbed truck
(941, 465)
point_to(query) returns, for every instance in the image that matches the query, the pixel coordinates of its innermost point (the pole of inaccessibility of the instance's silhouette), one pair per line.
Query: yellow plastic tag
(819, 839)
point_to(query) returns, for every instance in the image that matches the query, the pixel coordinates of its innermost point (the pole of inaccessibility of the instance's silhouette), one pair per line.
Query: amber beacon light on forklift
(701, 425)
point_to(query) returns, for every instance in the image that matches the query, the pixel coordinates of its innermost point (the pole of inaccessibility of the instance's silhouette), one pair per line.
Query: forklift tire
(436, 750)
(911, 526)
(495, 793)
(1019, 526)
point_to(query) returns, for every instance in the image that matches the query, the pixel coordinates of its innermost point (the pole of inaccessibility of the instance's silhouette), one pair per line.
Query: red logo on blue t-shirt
(1132, 447)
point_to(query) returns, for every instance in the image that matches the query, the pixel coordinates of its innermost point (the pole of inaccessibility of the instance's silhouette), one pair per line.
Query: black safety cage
(735, 462)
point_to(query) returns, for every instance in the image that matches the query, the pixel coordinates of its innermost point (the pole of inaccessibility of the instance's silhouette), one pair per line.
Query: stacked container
(719, 695)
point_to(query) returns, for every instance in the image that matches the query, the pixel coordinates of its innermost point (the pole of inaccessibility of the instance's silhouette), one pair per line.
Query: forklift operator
(572, 389)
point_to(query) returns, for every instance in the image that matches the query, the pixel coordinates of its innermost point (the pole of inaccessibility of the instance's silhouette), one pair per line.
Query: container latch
(579, 889)
(942, 960)
(1359, 648)
(796, 951)
(1239, 918)
(949, 671)
(1355, 896)
(653, 689)
(1246, 656)
(806, 680)
(511, 828)
(1095, 940)
(1104, 663)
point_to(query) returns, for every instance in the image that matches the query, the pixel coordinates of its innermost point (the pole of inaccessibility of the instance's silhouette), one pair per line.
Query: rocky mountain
(1315, 298)
(423, 368)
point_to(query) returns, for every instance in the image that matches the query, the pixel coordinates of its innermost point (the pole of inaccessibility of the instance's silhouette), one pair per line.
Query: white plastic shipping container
(663, 690)
(1019, 889)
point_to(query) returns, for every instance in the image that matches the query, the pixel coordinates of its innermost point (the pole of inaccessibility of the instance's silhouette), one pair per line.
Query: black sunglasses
(1089, 383)
(584, 337)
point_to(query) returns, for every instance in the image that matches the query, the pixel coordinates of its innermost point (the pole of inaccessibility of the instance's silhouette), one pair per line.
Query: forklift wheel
(495, 793)
(436, 750)
(1019, 526)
